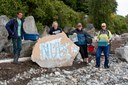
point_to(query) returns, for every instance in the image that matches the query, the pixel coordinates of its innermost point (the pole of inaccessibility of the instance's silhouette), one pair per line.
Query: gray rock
(30, 26)
(122, 53)
(3, 31)
(45, 32)
(67, 72)
(3, 20)
(26, 51)
(68, 29)
(90, 29)
(78, 58)
(57, 73)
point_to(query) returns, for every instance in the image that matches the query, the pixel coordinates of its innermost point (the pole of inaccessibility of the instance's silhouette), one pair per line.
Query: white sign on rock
(54, 51)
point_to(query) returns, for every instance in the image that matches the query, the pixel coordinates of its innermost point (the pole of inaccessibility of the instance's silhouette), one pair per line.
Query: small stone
(92, 61)
(125, 77)
(58, 69)
(57, 73)
(74, 80)
(67, 72)
(88, 76)
(51, 74)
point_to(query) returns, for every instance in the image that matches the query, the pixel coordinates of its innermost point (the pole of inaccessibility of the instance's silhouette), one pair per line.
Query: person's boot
(107, 66)
(15, 59)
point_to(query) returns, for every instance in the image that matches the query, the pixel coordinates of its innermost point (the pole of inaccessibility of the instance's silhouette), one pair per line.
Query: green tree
(126, 18)
(119, 24)
(44, 11)
(47, 11)
(10, 7)
(101, 10)
(78, 5)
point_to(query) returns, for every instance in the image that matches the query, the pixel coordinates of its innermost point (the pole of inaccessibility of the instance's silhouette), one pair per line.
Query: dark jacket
(82, 37)
(55, 31)
(12, 28)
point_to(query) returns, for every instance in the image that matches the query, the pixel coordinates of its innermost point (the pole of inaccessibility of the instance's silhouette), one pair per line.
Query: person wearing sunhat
(104, 37)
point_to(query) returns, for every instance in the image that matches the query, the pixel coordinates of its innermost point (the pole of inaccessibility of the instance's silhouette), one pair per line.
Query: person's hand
(38, 40)
(23, 40)
(96, 40)
(108, 41)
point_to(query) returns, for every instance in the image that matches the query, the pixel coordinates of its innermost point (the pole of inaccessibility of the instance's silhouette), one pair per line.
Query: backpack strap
(106, 32)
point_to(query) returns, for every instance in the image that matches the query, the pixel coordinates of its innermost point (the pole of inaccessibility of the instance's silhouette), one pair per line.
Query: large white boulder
(54, 51)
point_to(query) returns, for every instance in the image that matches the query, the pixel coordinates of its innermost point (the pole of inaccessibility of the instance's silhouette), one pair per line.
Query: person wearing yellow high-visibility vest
(103, 35)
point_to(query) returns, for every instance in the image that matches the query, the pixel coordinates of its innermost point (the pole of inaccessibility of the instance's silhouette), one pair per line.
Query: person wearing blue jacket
(82, 41)
(16, 33)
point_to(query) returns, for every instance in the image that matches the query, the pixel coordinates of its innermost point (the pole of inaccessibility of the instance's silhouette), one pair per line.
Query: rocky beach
(78, 74)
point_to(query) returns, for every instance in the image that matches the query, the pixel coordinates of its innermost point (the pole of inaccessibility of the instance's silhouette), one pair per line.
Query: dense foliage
(101, 10)
(68, 12)
(78, 5)
(119, 24)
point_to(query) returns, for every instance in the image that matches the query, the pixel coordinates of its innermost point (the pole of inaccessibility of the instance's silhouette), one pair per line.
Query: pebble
(57, 73)
(117, 74)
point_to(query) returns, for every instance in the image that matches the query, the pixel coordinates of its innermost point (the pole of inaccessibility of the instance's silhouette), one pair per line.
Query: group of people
(16, 32)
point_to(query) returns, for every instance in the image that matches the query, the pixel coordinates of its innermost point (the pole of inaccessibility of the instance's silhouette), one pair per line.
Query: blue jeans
(17, 46)
(105, 49)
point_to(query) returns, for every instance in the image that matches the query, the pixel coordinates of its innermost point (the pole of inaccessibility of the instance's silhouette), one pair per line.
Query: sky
(122, 8)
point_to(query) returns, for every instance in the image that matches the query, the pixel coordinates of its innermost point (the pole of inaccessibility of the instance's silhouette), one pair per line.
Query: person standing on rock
(104, 36)
(82, 41)
(16, 33)
(55, 29)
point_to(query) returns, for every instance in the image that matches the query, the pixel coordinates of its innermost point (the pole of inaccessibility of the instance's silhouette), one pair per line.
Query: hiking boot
(97, 66)
(106, 67)
(15, 61)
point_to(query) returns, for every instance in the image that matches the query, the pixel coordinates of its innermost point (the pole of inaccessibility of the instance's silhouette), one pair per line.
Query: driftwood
(11, 60)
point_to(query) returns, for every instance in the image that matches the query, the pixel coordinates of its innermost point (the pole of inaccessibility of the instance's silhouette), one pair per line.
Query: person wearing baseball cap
(104, 37)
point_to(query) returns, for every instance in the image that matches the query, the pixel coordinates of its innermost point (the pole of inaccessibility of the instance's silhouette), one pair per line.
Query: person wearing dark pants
(103, 35)
(82, 41)
(16, 33)
(16, 48)
(83, 51)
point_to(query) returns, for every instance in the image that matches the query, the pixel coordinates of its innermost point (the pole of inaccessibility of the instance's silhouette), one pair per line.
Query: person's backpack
(106, 32)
